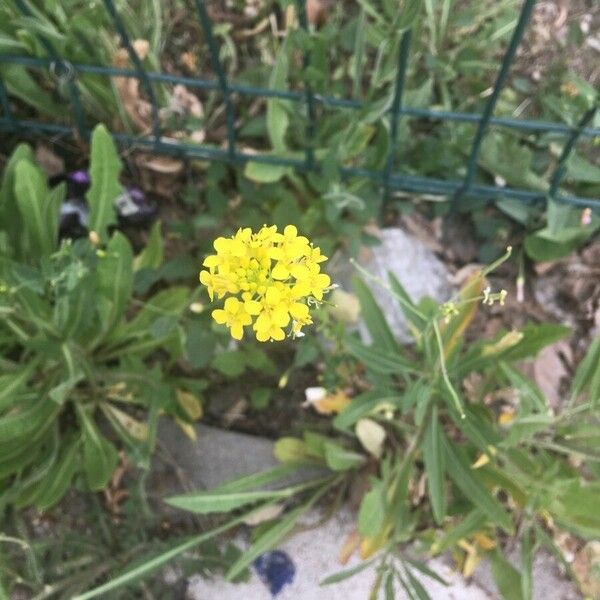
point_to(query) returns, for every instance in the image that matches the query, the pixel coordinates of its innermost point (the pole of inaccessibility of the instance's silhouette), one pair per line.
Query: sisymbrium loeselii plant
(269, 280)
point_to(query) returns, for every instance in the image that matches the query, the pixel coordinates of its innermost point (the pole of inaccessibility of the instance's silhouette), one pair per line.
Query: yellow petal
(237, 331)
(211, 261)
(280, 272)
(273, 295)
(299, 311)
(290, 231)
(262, 335)
(253, 307)
(277, 334)
(232, 305)
(220, 316)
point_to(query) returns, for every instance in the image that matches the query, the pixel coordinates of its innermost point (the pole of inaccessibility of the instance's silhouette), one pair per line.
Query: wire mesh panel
(390, 177)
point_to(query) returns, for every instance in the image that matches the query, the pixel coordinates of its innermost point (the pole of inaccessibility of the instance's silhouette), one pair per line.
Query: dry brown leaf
(184, 102)
(586, 566)
(128, 88)
(423, 229)
(49, 161)
(189, 61)
(164, 165)
(317, 12)
(549, 370)
(327, 404)
(349, 547)
(265, 514)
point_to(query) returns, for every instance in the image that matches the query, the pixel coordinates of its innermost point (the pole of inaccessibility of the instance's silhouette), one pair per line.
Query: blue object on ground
(275, 570)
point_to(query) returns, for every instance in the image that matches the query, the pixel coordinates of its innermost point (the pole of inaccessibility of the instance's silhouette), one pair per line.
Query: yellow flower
(234, 315)
(272, 279)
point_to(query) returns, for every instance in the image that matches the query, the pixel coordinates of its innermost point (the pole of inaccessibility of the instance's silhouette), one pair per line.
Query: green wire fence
(390, 178)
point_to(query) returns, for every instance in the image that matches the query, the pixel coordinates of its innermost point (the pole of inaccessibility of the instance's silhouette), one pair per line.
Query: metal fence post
(310, 100)
(213, 48)
(395, 111)
(561, 166)
(70, 73)
(515, 40)
(139, 67)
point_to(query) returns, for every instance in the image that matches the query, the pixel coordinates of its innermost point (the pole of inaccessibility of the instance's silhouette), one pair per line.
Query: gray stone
(414, 265)
(216, 456)
(315, 554)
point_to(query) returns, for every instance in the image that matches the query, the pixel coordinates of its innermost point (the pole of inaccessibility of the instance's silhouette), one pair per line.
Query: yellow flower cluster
(270, 277)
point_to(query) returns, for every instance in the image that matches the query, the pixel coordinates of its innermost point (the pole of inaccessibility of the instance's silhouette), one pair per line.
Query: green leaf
(262, 478)
(218, 501)
(346, 574)
(291, 450)
(115, 280)
(260, 397)
(10, 218)
(463, 476)
(39, 26)
(541, 249)
(339, 458)
(170, 302)
(23, 86)
(230, 364)
(421, 566)
(409, 13)
(100, 457)
(382, 336)
(200, 344)
(587, 375)
(59, 478)
(386, 362)
(362, 405)
(507, 578)
(435, 467)
(579, 169)
(417, 586)
(277, 109)
(535, 337)
(105, 168)
(263, 172)
(12, 383)
(28, 420)
(60, 392)
(530, 395)
(371, 514)
(38, 214)
(152, 256)
(409, 308)
(470, 524)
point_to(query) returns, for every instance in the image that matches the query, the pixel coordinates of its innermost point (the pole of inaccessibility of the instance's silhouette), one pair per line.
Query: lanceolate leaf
(463, 476)
(507, 578)
(115, 280)
(59, 478)
(587, 375)
(216, 501)
(12, 383)
(38, 214)
(100, 457)
(105, 168)
(386, 362)
(435, 467)
(382, 336)
(10, 218)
